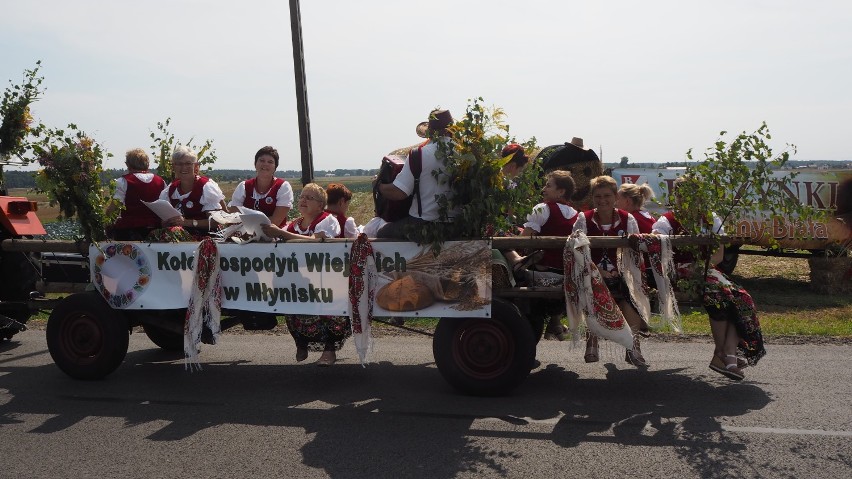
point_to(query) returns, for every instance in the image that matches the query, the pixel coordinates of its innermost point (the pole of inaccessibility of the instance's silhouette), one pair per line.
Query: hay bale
(831, 275)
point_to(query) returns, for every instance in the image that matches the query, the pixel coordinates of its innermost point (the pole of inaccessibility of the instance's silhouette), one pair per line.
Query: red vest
(190, 207)
(644, 220)
(292, 226)
(556, 225)
(593, 229)
(341, 219)
(678, 256)
(135, 213)
(267, 203)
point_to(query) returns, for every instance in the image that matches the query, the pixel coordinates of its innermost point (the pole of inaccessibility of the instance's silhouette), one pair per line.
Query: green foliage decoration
(15, 113)
(483, 201)
(70, 176)
(164, 145)
(15, 118)
(737, 179)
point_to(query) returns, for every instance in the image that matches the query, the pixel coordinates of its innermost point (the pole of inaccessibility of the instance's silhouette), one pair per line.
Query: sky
(646, 80)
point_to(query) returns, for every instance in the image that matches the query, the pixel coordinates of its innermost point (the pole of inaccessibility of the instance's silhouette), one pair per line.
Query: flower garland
(15, 113)
(71, 177)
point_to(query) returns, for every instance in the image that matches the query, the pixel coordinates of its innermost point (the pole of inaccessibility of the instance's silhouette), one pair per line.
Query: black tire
(729, 260)
(166, 340)
(485, 356)
(537, 325)
(86, 338)
(20, 267)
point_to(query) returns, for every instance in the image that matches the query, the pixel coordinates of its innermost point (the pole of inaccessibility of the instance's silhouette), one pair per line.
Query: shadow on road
(389, 409)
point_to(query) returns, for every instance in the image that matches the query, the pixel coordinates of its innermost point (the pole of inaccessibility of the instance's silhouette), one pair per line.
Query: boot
(634, 356)
(591, 355)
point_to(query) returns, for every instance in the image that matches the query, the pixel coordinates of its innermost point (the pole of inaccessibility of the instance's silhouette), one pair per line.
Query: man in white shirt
(426, 207)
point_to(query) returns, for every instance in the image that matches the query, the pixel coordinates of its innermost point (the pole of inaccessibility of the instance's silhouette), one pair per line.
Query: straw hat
(438, 120)
(578, 142)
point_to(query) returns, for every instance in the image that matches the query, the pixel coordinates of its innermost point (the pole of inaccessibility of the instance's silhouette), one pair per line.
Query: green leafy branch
(737, 180)
(164, 145)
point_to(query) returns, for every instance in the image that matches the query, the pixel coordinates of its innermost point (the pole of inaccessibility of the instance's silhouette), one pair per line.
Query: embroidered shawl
(362, 294)
(205, 301)
(586, 295)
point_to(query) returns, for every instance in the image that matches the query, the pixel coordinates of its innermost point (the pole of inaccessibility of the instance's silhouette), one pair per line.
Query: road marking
(799, 432)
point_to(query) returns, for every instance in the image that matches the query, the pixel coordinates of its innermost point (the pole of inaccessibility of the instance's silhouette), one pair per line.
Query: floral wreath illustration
(119, 298)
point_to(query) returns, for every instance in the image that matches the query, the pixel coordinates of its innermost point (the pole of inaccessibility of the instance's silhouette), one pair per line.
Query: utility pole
(301, 94)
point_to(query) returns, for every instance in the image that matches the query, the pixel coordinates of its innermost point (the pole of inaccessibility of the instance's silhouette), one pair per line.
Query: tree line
(26, 179)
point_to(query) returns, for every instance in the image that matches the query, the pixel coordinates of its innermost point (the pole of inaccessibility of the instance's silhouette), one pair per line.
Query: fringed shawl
(660, 255)
(586, 295)
(205, 301)
(362, 293)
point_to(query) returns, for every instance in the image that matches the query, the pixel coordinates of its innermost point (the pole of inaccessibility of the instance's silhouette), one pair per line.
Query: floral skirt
(725, 300)
(319, 333)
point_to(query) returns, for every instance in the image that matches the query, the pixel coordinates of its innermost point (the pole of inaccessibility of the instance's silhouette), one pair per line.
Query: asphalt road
(254, 412)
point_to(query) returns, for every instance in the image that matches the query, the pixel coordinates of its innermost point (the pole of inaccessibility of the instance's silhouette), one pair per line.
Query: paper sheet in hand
(253, 220)
(163, 209)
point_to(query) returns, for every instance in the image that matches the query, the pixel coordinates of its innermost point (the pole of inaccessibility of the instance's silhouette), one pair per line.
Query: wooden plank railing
(502, 243)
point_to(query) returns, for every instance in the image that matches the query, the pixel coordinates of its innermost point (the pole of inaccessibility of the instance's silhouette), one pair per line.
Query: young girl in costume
(607, 220)
(552, 217)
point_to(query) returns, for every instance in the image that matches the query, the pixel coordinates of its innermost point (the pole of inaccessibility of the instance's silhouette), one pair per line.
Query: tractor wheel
(485, 356)
(86, 338)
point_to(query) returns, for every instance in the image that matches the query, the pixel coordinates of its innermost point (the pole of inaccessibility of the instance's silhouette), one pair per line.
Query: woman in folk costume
(733, 316)
(319, 333)
(631, 198)
(339, 197)
(136, 220)
(265, 193)
(194, 196)
(627, 291)
(552, 217)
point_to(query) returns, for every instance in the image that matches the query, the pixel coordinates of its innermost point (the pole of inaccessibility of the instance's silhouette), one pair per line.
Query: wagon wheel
(166, 340)
(86, 338)
(485, 356)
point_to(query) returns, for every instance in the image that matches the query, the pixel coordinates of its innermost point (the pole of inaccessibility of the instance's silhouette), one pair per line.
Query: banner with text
(300, 278)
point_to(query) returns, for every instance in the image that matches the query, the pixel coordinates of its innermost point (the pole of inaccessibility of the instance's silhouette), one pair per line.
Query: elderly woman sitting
(194, 196)
(320, 333)
(136, 220)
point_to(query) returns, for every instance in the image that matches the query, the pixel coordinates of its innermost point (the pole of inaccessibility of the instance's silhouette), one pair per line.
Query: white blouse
(329, 225)
(541, 213)
(211, 195)
(283, 198)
